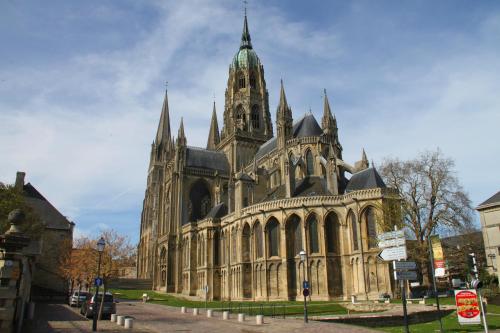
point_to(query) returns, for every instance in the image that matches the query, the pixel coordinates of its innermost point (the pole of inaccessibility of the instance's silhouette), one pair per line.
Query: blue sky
(82, 84)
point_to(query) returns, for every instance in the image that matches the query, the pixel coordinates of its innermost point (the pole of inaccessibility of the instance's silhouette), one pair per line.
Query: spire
(163, 132)
(328, 122)
(213, 134)
(364, 159)
(181, 138)
(246, 43)
(282, 96)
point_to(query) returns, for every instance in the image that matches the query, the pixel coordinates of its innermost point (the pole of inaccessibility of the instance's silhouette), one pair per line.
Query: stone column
(11, 244)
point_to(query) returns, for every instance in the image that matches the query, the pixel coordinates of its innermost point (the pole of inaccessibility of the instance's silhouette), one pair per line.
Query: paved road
(162, 319)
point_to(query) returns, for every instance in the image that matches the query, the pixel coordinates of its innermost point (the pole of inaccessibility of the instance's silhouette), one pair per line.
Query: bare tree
(432, 200)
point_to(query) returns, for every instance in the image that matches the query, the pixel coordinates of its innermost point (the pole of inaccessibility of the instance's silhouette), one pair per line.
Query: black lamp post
(303, 257)
(100, 248)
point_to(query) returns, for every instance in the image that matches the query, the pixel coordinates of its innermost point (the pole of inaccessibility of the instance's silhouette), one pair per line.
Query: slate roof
(365, 179)
(308, 186)
(206, 159)
(217, 211)
(48, 214)
(495, 199)
(304, 127)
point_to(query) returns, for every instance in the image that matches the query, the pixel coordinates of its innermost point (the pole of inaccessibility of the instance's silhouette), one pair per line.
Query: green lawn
(277, 308)
(450, 324)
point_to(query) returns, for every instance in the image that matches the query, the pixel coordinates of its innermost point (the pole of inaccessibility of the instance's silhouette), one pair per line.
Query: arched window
(233, 245)
(257, 231)
(241, 81)
(309, 163)
(241, 121)
(354, 230)
(255, 117)
(371, 227)
(293, 236)
(312, 227)
(273, 237)
(245, 243)
(200, 202)
(332, 232)
(252, 81)
(216, 248)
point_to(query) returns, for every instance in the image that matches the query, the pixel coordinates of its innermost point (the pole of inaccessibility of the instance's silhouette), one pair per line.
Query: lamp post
(100, 248)
(305, 284)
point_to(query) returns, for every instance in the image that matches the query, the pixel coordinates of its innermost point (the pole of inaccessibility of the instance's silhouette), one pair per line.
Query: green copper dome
(245, 58)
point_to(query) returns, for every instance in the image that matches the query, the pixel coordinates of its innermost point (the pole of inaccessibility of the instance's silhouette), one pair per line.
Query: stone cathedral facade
(234, 216)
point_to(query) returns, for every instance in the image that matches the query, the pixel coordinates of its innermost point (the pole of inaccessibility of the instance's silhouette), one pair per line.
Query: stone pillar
(11, 244)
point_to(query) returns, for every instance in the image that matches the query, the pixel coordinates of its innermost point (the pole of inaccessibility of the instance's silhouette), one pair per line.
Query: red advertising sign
(468, 310)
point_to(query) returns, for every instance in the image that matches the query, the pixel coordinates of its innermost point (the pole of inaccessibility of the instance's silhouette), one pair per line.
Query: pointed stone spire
(328, 122)
(213, 134)
(181, 137)
(283, 102)
(364, 159)
(284, 119)
(246, 42)
(363, 164)
(163, 132)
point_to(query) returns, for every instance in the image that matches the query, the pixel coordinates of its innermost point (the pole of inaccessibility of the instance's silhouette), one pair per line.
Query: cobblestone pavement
(163, 319)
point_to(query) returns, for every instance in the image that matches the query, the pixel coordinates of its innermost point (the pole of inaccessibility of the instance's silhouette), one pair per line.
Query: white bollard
(113, 318)
(120, 320)
(241, 317)
(225, 315)
(259, 319)
(195, 311)
(183, 309)
(129, 323)
(209, 313)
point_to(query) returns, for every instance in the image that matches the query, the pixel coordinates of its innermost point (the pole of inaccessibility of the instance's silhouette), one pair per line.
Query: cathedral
(230, 219)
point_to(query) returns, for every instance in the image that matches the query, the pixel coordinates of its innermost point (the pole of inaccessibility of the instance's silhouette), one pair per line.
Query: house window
(255, 117)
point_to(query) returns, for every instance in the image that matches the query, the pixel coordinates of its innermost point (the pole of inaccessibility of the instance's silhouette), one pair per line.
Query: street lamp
(101, 243)
(305, 284)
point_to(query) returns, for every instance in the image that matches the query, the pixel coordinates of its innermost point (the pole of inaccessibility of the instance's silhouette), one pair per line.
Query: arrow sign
(405, 275)
(404, 265)
(393, 253)
(391, 242)
(391, 235)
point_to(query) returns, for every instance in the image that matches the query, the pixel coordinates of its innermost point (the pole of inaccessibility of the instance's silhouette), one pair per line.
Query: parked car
(109, 306)
(78, 298)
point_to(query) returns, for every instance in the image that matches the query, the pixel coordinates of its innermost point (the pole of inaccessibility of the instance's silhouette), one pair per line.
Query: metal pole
(405, 312)
(305, 297)
(431, 254)
(94, 308)
(476, 274)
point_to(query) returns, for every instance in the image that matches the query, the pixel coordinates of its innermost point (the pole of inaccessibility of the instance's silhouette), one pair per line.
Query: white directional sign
(391, 235)
(404, 265)
(391, 242)
(405, 275)
(393, 253)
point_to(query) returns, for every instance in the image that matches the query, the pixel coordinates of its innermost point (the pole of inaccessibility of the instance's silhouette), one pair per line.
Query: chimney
(20, 180)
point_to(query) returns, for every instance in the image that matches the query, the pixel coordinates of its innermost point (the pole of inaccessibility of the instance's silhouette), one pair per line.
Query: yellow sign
(437, 251)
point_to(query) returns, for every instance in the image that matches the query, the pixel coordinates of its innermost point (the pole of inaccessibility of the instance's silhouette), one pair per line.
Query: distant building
(234, 216)
(456, 251)
(57, 230)
(489, 213)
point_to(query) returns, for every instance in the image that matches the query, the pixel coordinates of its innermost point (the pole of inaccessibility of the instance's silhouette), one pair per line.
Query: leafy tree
(81, 266)
(432, 199)
(10, 199)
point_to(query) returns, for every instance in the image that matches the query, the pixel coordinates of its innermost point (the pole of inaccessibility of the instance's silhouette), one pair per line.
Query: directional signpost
(393, 245)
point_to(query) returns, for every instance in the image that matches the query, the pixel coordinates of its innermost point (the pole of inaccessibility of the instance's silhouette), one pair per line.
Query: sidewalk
(60, 318)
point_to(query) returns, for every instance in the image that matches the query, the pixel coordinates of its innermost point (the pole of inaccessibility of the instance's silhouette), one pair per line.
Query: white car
(78, 298)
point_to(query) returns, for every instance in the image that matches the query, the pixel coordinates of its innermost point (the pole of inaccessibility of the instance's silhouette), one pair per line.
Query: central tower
(247, 121)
